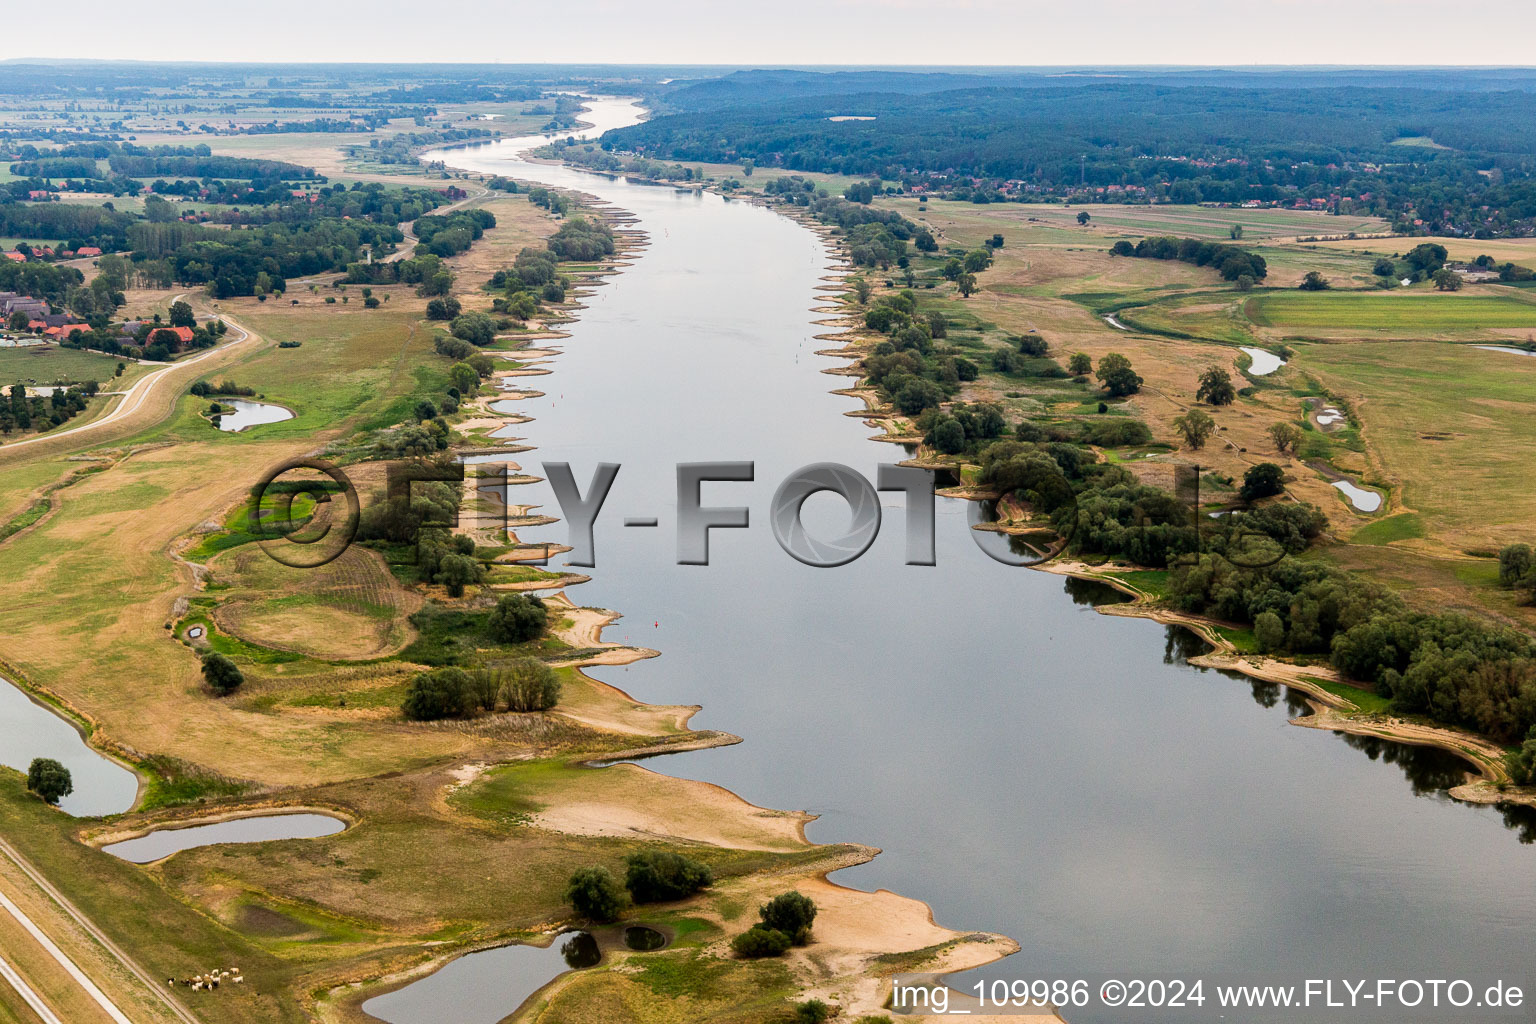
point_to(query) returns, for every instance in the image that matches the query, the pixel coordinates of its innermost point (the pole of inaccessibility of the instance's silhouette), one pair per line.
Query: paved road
(404, 253)
(28, 996)
(63, 960)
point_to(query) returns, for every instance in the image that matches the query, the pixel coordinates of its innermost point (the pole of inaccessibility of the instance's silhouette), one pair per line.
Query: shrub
(654, 876)
(517, 618)
(443, 693)
(759, 941)
(790, 913)
(49, 779)
(529, 685)
(221, 674)
(594, 894)
(812, 1011)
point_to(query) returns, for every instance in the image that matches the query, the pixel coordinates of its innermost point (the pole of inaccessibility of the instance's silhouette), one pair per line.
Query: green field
(45, 364)
(1406, 313)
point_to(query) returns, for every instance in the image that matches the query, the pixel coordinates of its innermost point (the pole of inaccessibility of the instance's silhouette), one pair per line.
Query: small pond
(485, 987)
(166, 841)
(1362, 499)
(639, 937)
(1262, 362)
(250, 414)
(28, 730)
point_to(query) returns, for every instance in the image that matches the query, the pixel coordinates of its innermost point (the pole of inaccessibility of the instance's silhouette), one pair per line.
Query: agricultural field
(1451, 424)
(1398, 313)
(1503, 250)
(1216, 223)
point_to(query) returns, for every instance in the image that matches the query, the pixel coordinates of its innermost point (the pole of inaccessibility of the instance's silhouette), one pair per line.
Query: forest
(1188, 143)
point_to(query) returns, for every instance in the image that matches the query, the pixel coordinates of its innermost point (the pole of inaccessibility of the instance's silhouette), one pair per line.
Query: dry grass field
(1441, 428)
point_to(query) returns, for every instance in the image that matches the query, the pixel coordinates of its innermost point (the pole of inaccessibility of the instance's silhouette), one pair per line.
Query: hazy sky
(1019, 32)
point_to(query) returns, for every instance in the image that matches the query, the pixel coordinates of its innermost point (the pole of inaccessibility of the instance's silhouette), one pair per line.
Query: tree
(1080, 365)
(1261, 481)
(863, 289)
(182, 315)
(1083, 217)
(474, 327)
(49, 779)
(464, 377)
(1245, 282)
(221, 674)
(1196, 426)
(977, 260)
(443, 308)
(442, 693)
(1427, 257)
(925, 241)
(1314, 282)
(1447, 280)
(1286, 436)
(457, 571)
(949, 436)
(657, 875)
(1517, 568)
(1116, 375)
(757, 942)
(19, 321)
(790, 913)
(1235, 232)
(1384, 267)
(966, 282)
(528, 684)
(517, 618)
(1269, 631)
(595, 894)
(1216, 387)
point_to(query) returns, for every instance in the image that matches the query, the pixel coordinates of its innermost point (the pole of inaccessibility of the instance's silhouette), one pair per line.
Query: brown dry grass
(349, 608)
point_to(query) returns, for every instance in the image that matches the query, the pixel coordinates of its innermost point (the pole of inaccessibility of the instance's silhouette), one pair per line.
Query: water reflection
(1520, 819)
(1093, 592)
(580, 950)
(1430, 770)
(1180, 644)
(644, 939)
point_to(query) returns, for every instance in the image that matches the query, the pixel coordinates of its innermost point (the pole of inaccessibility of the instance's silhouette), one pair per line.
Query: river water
(1027, 765)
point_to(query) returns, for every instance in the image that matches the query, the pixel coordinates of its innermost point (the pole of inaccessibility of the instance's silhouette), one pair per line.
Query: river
(1027, 765)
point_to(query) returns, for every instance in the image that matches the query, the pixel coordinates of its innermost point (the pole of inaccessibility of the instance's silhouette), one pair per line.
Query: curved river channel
(1027, 765)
